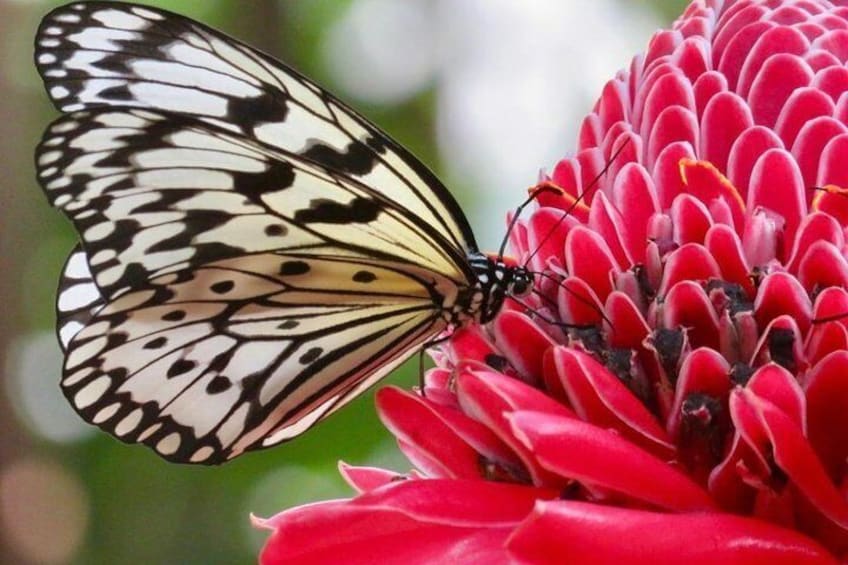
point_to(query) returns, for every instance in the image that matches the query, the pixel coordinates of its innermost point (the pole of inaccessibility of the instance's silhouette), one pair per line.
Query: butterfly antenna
(579, 199)
(541, 190)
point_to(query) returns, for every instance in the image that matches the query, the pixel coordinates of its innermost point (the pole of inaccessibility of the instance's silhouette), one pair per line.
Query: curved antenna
(521, 207)
(579, 199)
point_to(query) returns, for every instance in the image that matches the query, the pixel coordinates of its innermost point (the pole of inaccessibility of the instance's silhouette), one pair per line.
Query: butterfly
(253, 253)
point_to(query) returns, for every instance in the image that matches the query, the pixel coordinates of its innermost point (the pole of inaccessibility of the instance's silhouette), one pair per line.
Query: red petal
(691, 219)
(827, 404)
(822, 266)
(578, 304)
(726, 116)
(407, 522)
(690, 262)
(600, 398)
(792, 453)
(523, 344)
(579, 532)
(724, 245)
(745, 152)
(776, 184)
(706, 88)
(833, 81)
(674, 124)
(781, 294)
(583, 243)
(599, 457)
(703, 371)
(415, 421)
(803, 105)
(809, 150)
(779, 76)
(666, 173)
(815, 227)
(735, 54)
(688, 306)
(634, 195)
(489, 397)
(364, 479)
(775, 42)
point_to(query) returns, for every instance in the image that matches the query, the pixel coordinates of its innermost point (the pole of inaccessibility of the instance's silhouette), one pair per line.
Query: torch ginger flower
(678, 389)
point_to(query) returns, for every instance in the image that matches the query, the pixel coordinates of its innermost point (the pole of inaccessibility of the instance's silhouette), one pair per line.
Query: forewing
(244, 353)
(152, 193)
(111, 54)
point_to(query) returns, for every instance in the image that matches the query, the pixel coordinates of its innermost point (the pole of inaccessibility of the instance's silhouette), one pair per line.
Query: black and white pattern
(254, 254)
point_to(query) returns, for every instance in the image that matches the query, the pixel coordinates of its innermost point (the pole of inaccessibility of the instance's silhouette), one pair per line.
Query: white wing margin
(77, 299)
(113, 54)
(244, 353)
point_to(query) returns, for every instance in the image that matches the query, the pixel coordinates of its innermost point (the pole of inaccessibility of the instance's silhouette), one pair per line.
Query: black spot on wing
(311, 355)
(119, 93)
(359, 159)
(358, 211)
(174, 315)
(155, 343)
(179, 367)
(294, 268)
(266, 108)
(218, 384)
(278, 176)
(364, 277)
(222, 287)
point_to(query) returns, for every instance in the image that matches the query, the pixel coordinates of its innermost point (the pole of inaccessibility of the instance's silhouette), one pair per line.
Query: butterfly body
(254, 254)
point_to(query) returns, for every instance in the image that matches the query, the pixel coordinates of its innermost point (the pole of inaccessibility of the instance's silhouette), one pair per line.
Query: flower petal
(579, 532)
(595, 456)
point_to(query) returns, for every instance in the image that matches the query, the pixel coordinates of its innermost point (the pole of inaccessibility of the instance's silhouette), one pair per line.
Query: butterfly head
(498, 279)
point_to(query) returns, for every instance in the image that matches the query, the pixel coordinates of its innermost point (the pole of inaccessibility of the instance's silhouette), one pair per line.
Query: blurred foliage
(142, 509)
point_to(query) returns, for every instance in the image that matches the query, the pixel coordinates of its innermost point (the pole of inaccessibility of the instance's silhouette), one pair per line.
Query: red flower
(680, 390)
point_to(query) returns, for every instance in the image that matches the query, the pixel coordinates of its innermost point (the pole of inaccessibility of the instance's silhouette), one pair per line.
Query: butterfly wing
(77, 299)
(254, 253)
(243, 353)
(112, 54)
(152, 193)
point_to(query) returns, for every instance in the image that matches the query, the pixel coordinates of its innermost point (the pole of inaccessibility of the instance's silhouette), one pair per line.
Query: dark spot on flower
(218, 384)
(620, 362)
(669, 346)
(703, 427)
(741, 373)
(222, 287)
(311, 355)
(590, 337)
(497, 362)
(644, 284)
(155, 343)
(729, 296)
(174, 316)
(180, 367)
(294, 268)
(499, 471)
(780, 342)
(364, 277)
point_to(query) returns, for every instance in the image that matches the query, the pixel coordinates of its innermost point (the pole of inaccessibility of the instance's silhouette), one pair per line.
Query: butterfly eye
(521, 284)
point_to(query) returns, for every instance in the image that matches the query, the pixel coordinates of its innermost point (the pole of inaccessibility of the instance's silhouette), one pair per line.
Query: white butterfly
(254, 254)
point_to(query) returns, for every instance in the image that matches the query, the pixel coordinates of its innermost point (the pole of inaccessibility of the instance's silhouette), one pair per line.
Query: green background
(96, 500)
